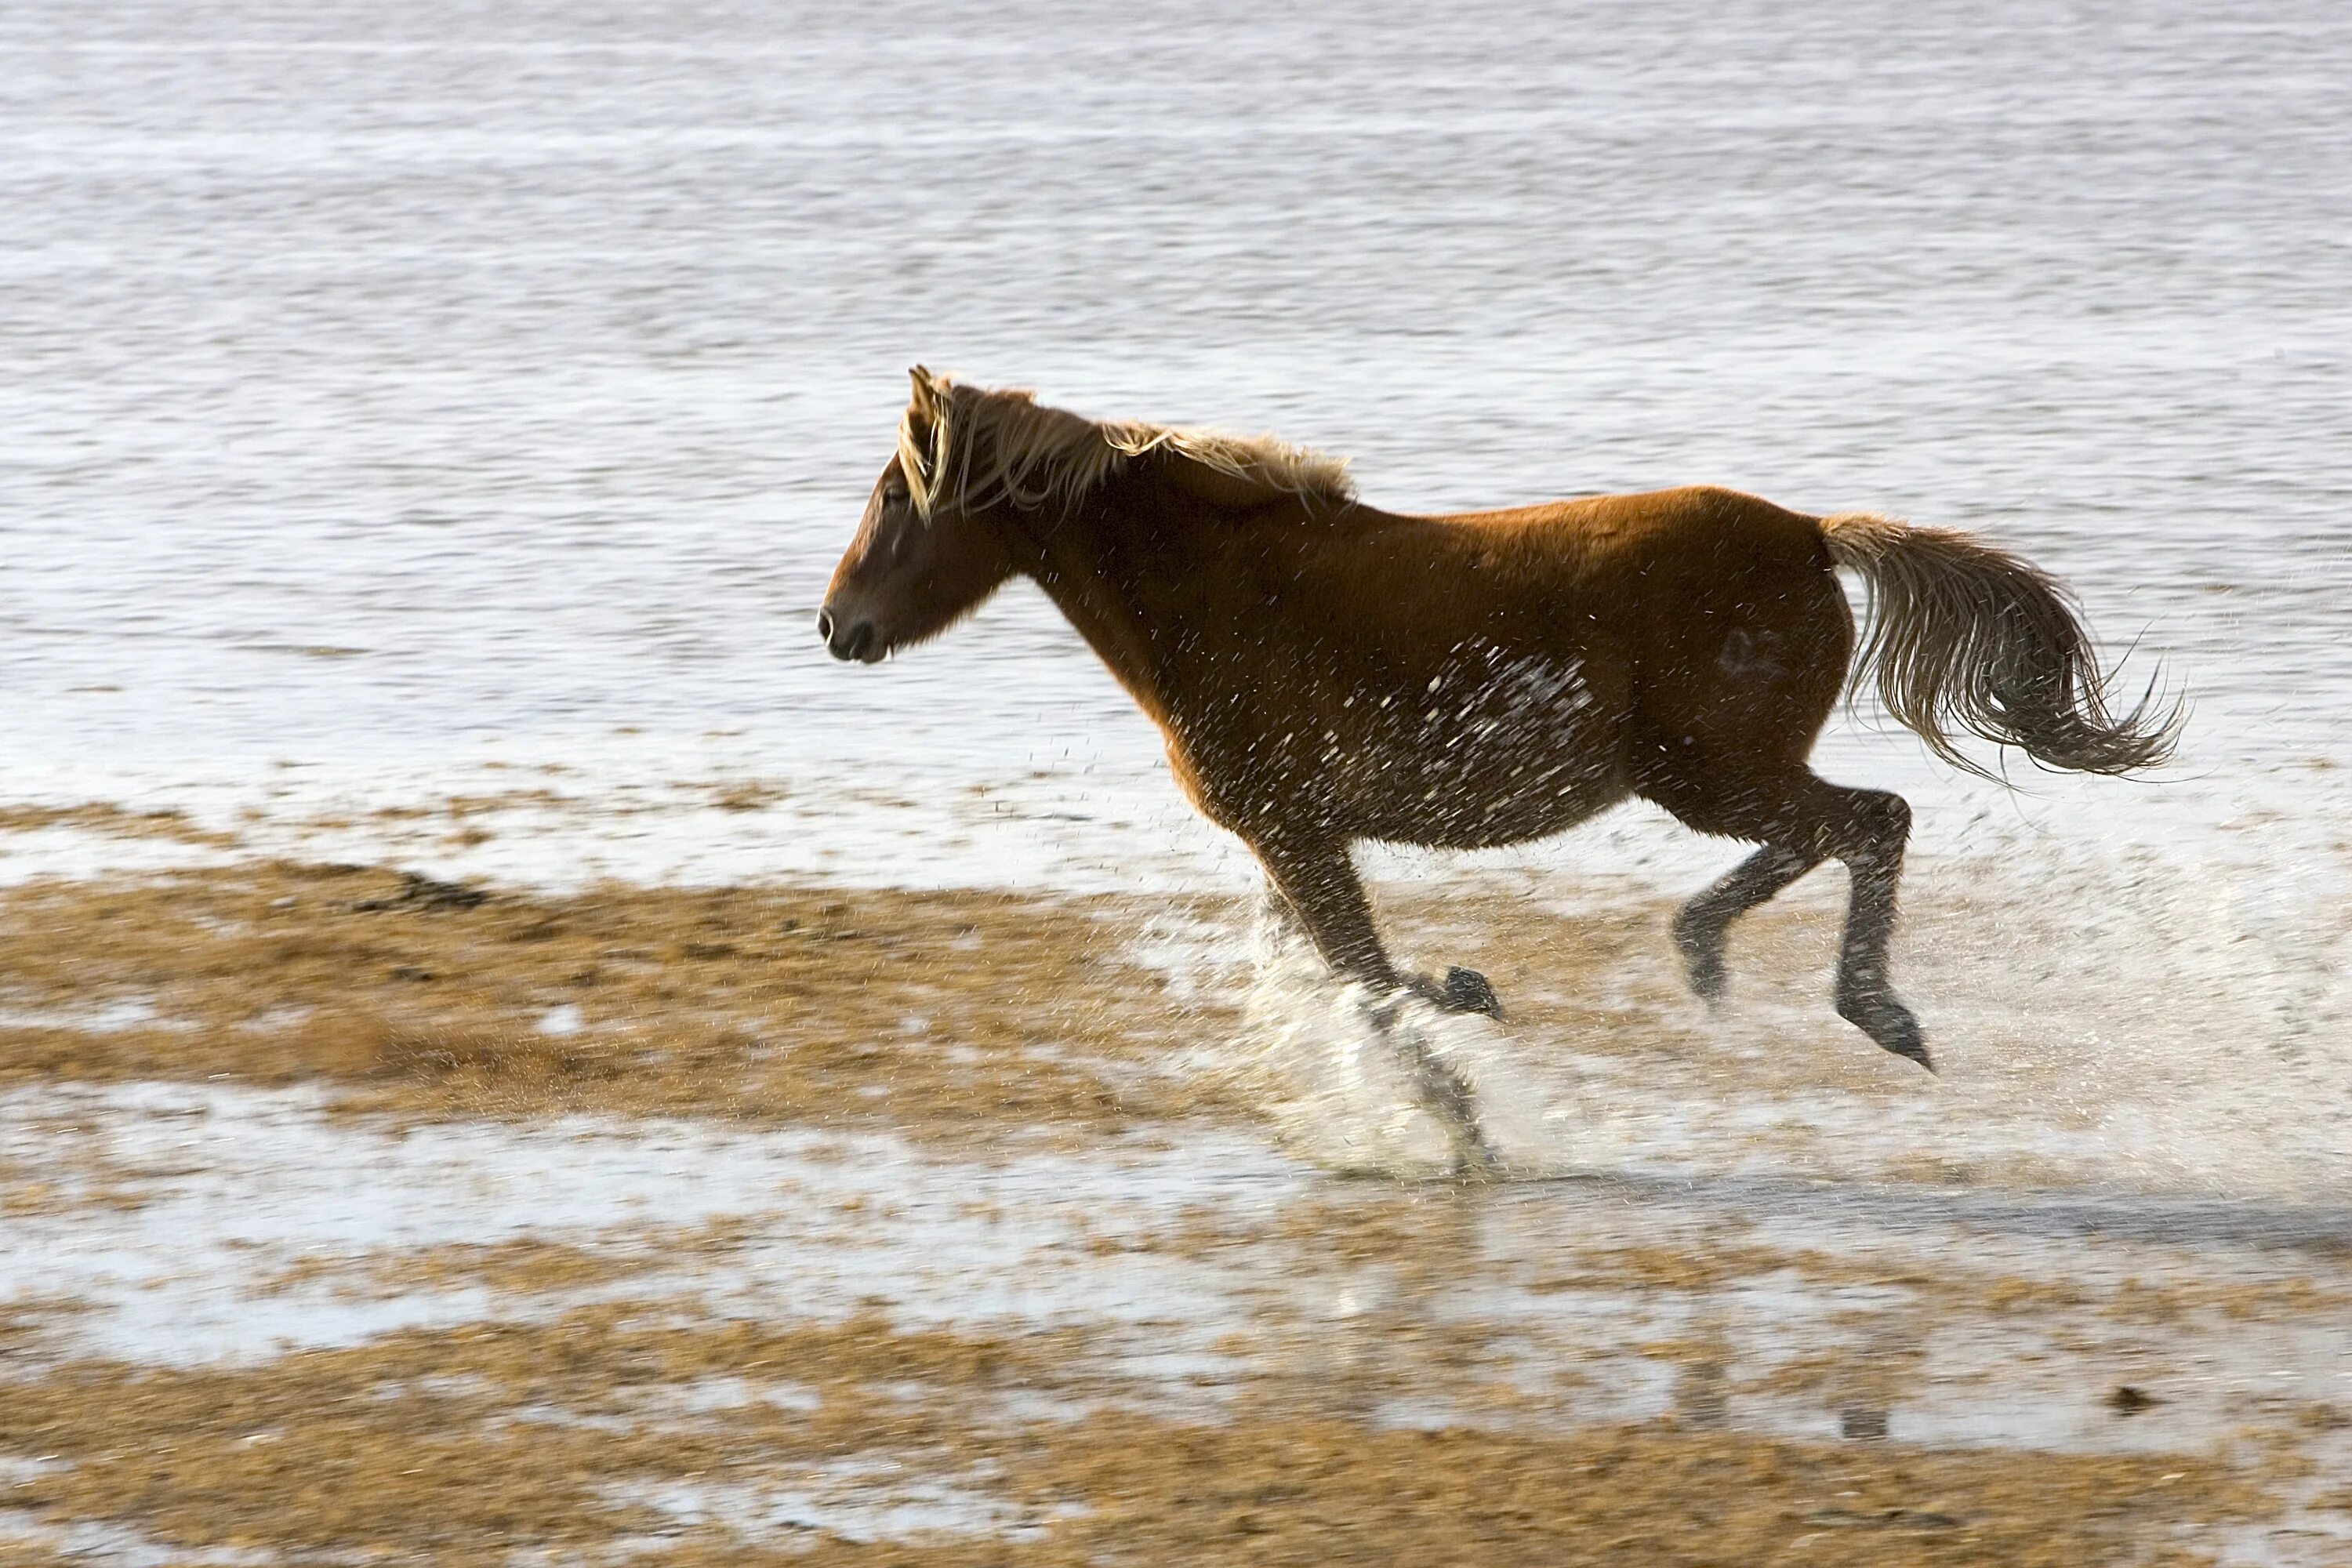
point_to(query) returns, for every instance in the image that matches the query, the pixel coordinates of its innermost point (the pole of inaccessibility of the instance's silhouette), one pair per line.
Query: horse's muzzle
(855, 642)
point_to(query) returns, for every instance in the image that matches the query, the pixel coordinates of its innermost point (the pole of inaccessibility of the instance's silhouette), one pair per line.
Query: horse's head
(920, 561)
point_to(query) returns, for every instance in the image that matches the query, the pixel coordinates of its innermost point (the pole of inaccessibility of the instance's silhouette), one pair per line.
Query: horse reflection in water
(1327, 672)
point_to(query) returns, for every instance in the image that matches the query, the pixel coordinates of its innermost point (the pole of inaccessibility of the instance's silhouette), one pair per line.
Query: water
(398, 390)
(1202, 1274)
(399, 381)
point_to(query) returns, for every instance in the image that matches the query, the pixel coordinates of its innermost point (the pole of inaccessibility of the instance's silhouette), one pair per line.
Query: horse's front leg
(1316, 883)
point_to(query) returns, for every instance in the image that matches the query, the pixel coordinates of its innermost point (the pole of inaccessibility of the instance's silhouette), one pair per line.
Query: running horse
(1325, 671)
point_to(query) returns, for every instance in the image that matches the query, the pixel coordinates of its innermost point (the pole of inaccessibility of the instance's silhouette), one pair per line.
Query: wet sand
(351, 1212)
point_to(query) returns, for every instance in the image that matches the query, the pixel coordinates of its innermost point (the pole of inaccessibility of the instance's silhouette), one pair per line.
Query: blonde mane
(974, 446)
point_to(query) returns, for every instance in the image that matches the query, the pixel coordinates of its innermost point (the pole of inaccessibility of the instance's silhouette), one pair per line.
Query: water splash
(1338, 1071)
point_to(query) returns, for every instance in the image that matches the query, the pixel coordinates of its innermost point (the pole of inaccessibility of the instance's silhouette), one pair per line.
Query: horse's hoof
(1900, 1034)
(1476, 1161)
(1466, 991)
(1702, 953)
(1916, 1051)
(1889, 1023)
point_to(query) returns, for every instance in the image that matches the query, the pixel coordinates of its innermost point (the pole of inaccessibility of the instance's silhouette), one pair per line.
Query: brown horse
(1327, 672)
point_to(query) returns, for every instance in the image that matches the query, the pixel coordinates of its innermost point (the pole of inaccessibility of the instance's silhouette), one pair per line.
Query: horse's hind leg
(1802, 820)
(1699, 924)
(1876, 828)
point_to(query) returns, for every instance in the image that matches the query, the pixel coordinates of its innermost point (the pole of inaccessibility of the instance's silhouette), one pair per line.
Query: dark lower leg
(1805, 820)
(1318, 885)
(1879, 827)
(1315, 884)
(1700, 924)
(1444, 1090)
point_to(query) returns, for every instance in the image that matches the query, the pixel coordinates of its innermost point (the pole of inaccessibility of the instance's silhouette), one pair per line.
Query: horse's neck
(1116, 571)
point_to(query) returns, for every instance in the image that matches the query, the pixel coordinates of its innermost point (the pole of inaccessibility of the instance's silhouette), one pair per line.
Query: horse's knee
(1468, 991)
(1462, 991)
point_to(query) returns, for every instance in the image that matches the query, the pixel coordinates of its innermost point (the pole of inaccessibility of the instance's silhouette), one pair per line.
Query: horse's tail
(1964, 636)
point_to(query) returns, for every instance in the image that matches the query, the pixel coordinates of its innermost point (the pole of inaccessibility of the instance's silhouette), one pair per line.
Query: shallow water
(399, 391)
(1169, 1251)
(243, 1225)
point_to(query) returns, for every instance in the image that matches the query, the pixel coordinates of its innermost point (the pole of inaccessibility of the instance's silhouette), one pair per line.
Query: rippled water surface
(393, 380)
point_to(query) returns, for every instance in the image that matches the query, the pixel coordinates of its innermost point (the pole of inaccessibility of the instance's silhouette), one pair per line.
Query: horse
(1326, 672)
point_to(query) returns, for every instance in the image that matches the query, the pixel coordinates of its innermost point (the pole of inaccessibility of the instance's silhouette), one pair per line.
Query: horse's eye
(894, 492)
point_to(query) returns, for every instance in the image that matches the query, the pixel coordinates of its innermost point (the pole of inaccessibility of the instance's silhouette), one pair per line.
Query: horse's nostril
(861, 637)
(824, 624)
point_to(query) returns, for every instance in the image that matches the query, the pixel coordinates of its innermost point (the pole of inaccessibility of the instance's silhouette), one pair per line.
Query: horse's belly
(1503, 750)
(1475, 810)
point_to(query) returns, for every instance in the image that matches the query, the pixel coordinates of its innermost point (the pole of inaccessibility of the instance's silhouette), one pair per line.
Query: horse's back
(1717, 536)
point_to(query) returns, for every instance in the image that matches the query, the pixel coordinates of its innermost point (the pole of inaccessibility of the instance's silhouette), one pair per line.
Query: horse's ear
(929, 391)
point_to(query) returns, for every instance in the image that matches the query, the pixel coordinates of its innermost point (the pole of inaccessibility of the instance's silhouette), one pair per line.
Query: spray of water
(2121, 1028)
(1341, 1073)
